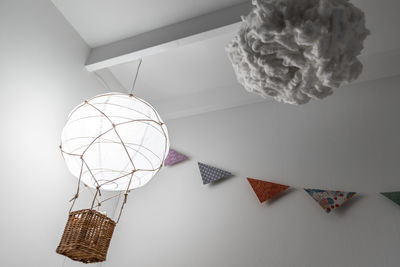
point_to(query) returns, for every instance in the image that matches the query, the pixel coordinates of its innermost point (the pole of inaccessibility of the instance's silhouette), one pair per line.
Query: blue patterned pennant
(211, 174)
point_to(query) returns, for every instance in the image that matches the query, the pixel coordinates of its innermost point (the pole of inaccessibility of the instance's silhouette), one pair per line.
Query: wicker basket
(87, 236)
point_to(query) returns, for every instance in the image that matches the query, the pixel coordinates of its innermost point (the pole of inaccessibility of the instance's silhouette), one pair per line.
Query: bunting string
(328, 200)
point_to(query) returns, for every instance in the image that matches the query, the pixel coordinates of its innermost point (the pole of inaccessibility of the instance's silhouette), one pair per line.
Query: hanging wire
(136, 75)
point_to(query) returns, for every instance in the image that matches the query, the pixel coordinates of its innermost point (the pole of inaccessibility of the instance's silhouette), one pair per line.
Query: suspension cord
(136, 75)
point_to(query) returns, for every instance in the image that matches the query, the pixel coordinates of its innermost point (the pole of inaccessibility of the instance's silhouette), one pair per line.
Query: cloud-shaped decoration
(295, 50)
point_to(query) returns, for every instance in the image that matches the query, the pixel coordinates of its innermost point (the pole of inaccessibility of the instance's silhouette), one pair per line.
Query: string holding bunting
(393, 196)
(266, 190)
(211, 174)
(174, 157)
(329, 200)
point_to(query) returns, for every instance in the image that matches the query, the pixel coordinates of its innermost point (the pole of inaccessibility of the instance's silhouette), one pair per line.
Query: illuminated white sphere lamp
(114, 141)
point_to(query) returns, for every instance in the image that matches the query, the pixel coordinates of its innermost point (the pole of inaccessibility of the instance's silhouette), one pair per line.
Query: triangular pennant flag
(266, 190)
(329, 200)
(174, 157)
(211, 174)
(393, 196)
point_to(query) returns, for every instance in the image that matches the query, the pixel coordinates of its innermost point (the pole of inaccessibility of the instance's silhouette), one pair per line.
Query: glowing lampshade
(114, 141)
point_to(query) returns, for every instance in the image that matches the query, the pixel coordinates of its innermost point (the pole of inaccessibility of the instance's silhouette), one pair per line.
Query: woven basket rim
(95, 212)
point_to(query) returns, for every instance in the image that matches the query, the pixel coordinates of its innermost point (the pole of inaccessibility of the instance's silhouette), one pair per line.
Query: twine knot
(75, 197)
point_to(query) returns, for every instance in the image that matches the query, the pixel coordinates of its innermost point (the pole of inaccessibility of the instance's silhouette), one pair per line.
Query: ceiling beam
(168, 37)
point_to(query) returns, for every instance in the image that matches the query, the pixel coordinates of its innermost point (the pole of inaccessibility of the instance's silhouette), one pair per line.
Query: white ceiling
(198, 78)
(101, 22)
(191, 69)
(192, 79)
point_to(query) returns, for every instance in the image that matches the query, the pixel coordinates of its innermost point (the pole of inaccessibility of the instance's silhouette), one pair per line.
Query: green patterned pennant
(393, 196)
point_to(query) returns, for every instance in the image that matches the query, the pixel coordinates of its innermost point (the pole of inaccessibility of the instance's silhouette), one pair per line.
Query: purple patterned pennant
(211, 174)
(174, 157)
(329, 200)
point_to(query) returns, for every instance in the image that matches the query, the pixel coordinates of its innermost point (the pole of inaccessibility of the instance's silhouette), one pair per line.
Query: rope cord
(125, 197)
(78, 189)
(136, 75)
(97, 140)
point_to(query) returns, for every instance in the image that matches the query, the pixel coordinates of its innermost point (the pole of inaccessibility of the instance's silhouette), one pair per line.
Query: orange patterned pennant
(266, 190)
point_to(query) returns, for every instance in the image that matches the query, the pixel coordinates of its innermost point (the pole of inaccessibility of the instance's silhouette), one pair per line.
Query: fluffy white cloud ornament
(295, 50)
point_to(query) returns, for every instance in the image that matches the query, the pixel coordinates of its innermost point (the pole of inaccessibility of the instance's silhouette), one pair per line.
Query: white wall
(41, 79)
(350, 141)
